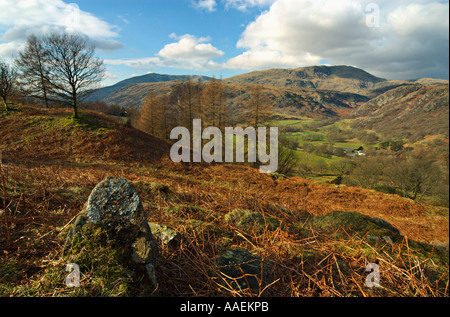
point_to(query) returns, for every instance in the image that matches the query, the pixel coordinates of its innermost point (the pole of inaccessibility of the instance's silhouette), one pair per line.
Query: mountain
(286, 100)
(411, 112)
(337, 78)
(317, 91)
(103, 93)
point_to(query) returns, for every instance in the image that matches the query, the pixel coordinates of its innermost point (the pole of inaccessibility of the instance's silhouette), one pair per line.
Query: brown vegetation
(50, 165)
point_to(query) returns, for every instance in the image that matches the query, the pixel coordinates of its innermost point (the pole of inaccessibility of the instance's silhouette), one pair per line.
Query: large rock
(113, 222)
(114, 196)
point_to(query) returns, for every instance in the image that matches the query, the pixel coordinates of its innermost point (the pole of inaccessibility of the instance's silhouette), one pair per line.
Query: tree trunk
(44, 89)
(6, 104)
(74, 105)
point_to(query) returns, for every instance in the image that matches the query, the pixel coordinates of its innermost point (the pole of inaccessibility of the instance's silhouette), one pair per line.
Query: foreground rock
(112, 238)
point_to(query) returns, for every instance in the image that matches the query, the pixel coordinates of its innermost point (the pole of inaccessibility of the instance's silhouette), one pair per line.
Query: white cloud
(189, 47)
(10, 49)
(420, 19)
(21, 18)
(242, 5)
(410, 39)
(245, 4)
(208, 5)
(189, 52)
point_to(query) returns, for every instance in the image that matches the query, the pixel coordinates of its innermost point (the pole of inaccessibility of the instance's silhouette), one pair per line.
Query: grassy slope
(51, 164)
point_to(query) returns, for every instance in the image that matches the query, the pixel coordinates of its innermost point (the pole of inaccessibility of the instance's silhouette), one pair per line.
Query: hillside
(345, 79)
(337, 78)
(317, 237)
(287, 101)
(49, 134)
(317, 92)
(105, 92)
(411, 112)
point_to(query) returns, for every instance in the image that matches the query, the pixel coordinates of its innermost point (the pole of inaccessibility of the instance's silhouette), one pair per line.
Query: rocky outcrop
(112, 234)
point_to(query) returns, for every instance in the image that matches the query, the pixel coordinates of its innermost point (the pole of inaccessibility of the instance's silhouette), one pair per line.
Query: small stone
(167, 235)
(151, 274)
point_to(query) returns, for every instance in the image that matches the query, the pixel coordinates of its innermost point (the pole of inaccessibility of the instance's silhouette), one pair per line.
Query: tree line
(209, 102)
(53, 69)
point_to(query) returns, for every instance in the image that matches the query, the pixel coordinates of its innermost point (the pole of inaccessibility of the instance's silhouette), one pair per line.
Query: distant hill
(411, 111)
(103, 93)
(338, 78)
(316, 91)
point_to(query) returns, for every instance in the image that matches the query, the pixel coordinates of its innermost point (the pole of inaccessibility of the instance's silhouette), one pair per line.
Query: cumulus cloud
(188, 52)
(190, 48)
(394, 39)
(21, 18)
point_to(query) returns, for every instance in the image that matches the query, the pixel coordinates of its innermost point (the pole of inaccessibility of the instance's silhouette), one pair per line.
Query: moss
(157, 188)
(354, 222)
(251, 221)
(204, 228)
(103, 252)
(184, 210)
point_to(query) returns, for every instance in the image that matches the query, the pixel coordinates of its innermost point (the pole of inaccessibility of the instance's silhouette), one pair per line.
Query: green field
(301, 131)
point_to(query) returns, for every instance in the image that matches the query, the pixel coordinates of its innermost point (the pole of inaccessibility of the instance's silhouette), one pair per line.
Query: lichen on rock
(112, 235)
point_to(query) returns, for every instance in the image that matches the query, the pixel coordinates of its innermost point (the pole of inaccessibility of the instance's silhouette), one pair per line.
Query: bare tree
(259, 104)
(8, 77)
(147, 120)
(32, 65)
(341, 167)
(213, 101)
(161, 114)
(73, 67)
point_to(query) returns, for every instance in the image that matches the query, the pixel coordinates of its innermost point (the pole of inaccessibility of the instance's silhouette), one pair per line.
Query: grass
(200, 220)
(43, 198)
(301, 122)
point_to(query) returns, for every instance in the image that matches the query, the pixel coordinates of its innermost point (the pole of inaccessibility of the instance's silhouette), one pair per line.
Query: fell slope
(317, 92)
(310, 255)
(337, 78)
(105, 92)
(411, 111)
(50, 134)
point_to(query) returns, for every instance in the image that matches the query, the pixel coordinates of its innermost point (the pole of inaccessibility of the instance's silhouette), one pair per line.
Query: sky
(392, 39)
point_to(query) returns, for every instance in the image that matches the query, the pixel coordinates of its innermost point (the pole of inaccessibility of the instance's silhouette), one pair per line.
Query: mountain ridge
(102, 93)
(317, 92)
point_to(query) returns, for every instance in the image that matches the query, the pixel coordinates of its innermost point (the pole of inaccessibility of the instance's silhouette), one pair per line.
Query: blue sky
(400, 39)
